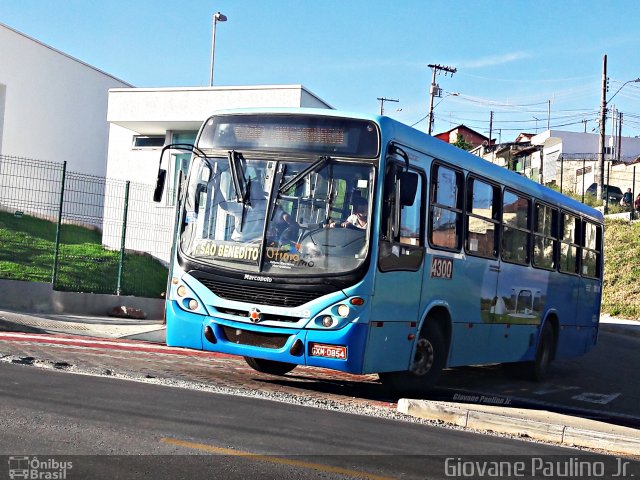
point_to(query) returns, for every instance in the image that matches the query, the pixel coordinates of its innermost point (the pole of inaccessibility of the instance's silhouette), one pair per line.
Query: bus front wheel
(427, 365)
(269, 366)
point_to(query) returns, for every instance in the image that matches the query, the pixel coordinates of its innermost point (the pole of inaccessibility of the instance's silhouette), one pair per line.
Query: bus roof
(394, 130)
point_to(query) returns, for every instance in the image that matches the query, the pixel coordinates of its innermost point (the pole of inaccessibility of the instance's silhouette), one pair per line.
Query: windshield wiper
(317, 165)
(243, 190)
(241, 185)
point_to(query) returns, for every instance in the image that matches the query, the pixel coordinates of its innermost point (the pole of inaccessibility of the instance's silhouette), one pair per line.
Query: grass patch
(27, 248)
(621, 292)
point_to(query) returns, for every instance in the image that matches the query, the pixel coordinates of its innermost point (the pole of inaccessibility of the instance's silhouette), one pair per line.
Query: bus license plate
(330, 351)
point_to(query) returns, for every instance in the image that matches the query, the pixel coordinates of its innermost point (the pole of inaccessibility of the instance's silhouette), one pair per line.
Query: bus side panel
(395, 306)
(468, 294)
(389, 346)
(184, 329)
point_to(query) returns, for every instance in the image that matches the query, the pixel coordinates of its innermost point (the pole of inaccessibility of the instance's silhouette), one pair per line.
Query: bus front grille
(255, 339)
(259, 295)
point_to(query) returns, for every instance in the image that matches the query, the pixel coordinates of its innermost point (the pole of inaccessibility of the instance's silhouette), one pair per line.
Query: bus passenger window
(544, 236)
(410, 219)
(482, 213)
(515, 228)
(445, 214)
(569, 244)
(591, 250)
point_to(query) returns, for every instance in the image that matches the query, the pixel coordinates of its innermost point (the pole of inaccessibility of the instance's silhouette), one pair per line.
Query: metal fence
(81, 232)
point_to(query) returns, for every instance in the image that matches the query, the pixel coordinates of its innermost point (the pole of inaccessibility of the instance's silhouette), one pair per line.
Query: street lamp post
(217, 17)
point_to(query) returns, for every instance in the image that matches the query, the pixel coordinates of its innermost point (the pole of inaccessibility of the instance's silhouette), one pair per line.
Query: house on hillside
(468, 134)
(567, 159)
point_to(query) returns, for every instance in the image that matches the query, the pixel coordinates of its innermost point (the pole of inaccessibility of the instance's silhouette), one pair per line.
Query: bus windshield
(288, 217)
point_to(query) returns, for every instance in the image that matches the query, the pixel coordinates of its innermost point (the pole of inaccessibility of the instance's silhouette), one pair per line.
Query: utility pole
(585, 125)
(620, 136)
(382, 100)
(435, 89)
(548, 114)
(490, 126)
(603, 119)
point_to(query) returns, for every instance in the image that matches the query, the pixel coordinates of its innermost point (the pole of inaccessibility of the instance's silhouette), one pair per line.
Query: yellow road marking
(268, 458)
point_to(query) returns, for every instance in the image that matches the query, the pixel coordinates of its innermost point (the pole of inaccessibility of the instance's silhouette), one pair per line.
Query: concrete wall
(52, 106)
(37, 297)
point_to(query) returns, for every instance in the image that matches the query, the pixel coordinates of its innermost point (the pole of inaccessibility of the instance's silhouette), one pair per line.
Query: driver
(358, 218)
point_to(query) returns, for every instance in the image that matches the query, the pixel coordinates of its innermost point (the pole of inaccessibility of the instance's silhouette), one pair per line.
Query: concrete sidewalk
(527, 423)
(90, 326)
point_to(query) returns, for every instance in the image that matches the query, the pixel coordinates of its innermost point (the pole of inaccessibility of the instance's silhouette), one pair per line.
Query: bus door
(398, 279)
(518, 305)
(588, 309)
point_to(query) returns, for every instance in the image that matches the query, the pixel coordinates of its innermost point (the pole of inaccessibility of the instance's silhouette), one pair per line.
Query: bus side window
(545, 233)
(569, 236)
(591, 250)
(405, 251)
(482, 212)
(515, 228)
(445, 208)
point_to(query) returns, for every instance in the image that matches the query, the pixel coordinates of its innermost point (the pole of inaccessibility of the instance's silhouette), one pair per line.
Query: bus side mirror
(157, 193)
(408, 188)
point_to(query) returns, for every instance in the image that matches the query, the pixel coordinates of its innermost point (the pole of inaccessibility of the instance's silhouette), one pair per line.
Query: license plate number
(329, 351)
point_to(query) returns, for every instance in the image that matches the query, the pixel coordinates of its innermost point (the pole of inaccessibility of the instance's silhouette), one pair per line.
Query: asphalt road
(99, 423)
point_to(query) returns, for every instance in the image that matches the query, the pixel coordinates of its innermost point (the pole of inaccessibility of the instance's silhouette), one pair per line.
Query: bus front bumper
(341, 350)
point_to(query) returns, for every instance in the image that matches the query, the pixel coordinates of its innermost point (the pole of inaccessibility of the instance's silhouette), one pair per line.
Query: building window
(148, 141)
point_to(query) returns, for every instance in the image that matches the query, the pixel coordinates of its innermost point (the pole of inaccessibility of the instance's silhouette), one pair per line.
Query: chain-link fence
(80, 232)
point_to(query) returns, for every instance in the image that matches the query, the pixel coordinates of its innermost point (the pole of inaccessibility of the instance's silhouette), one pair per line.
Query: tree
(462, 143)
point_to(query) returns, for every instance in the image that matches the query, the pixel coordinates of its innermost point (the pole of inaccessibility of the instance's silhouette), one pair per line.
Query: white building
(53, 107)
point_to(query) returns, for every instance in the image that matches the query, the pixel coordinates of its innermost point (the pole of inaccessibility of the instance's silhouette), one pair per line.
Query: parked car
(614, 193)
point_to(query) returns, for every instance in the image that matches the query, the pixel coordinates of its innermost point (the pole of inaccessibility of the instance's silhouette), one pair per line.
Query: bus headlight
(343, 311)
(327, 321)
(181, 291)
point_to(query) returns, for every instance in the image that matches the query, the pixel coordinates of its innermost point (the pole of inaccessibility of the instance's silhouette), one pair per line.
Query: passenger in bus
(358, 218)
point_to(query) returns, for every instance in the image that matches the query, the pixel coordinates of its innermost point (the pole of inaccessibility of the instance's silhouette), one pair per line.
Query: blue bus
(356, 243)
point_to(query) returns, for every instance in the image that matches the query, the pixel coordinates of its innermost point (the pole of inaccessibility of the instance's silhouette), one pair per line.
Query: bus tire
(269, 366)
(427, 365)
(539, 368)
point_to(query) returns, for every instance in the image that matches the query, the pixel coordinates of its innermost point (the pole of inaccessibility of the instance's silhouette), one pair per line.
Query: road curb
(541, 425)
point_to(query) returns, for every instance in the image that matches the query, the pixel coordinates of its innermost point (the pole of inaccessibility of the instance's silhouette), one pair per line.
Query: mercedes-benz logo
(255, 315)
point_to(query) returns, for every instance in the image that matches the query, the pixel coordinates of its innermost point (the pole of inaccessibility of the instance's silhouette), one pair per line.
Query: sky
(512, 57)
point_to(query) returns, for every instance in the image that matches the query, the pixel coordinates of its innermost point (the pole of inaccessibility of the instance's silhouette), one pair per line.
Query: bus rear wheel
(269, 366)
(427, 365)
(538, 369)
